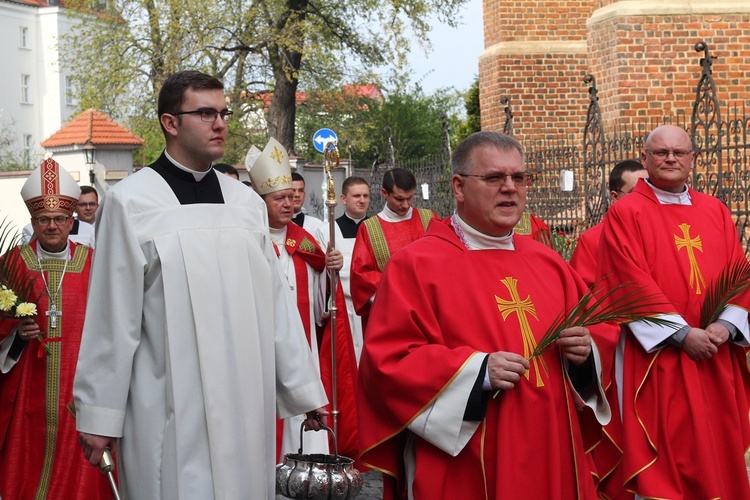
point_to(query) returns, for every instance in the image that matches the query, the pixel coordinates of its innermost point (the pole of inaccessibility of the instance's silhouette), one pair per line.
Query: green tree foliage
(409, 119)
(473, 121)
(123, 50)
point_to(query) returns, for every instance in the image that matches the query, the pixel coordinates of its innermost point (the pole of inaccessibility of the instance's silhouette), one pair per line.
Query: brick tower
(641, 53)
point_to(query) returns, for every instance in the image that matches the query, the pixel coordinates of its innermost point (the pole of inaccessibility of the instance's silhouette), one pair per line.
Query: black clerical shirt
(348, 226)
(185, 187)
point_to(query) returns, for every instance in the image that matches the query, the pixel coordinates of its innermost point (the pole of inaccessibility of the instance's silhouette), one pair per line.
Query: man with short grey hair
(456, 319)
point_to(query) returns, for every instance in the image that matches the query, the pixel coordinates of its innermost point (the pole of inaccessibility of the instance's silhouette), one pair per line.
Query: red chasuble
(584, 255)
(439, 304)
(377, 241)
(685, 423)
(39, 452)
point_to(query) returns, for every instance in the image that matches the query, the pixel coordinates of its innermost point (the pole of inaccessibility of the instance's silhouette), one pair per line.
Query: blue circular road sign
(323, 137)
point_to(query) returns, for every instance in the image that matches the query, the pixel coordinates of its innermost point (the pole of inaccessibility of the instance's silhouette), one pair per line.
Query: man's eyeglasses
(59, 220)
(90, 204)
(663, 154)
(496, 179)
(207, 115)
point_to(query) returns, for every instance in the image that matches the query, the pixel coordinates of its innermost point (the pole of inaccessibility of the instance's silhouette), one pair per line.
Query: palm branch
(597, 306)
(731, 282)
(12, 268)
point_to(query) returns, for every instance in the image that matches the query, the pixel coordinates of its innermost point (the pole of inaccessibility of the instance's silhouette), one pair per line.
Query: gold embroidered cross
(277, 154)
(690, 245)
(522, 308)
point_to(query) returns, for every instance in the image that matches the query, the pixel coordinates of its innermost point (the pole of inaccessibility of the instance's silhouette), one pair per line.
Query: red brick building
(640, 52)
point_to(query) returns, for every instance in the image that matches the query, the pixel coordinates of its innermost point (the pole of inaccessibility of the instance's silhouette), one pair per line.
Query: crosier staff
(331, 161)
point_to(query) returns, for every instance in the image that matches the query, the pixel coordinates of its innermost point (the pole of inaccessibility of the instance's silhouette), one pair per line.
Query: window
(70, 99)
(28, 149)
(25, 89)
(23, 37)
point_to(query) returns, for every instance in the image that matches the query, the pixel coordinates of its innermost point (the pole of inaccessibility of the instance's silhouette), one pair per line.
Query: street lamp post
(89, 150)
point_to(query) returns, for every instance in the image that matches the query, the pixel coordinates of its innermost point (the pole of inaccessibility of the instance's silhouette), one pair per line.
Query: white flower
(7, 299)
(25, 309)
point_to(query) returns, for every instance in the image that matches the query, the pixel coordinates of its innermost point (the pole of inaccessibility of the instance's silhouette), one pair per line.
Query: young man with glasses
(456, 318)
(684, 393)
(192, 341)
(39, 455)
(87, 205)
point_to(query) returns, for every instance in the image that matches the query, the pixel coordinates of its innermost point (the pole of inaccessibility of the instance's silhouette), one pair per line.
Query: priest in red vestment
(622, 180)
(379, 237)
(39, 453)
(304, 264)
(450, 404)
(684, 393)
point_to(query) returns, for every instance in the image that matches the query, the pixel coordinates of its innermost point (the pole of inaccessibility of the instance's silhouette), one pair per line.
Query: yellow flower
(7, 299)
(25, 309)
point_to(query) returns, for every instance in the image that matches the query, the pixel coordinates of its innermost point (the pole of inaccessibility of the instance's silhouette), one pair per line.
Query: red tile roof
(92, 125)
(35, 3)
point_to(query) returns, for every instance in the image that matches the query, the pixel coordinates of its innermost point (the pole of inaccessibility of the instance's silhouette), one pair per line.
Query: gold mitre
(270, 171)
(50, 187)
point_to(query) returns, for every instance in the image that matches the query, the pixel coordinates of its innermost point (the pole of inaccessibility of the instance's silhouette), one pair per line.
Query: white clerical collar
(389, 215)
(198, 176)
(41, 253)
(278, 236)
(353, 219)
(669, 198)
(475, 240)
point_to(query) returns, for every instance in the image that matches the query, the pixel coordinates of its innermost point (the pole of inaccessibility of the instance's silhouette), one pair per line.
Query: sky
(455, 52)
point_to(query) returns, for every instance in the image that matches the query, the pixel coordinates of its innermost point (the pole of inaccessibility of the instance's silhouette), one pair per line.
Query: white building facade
(35, 91)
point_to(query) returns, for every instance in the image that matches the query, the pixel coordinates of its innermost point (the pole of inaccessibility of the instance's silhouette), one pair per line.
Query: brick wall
(641, 54)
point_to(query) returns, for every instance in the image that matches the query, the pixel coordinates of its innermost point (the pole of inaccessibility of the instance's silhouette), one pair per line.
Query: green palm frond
(596, 307)
(731, 282)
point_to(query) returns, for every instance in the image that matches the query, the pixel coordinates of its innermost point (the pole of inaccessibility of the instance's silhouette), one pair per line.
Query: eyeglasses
(59, 220)
(663, 154)
(207, 115)
(496, 179)
(90, 204)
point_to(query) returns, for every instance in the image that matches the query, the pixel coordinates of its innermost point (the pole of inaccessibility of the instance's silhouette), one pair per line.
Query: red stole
(304, 250)
(39, 450)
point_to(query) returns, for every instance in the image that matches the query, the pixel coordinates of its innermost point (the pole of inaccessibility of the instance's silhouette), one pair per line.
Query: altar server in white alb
(192, 342)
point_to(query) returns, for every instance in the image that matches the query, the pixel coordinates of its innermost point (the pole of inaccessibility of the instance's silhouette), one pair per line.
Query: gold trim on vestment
(690, 244)
(523, 226)
(378, 242)
(426, 216)
(521, 308)
(307, 245)
(417, 414)
(638, 417)
(55, 269)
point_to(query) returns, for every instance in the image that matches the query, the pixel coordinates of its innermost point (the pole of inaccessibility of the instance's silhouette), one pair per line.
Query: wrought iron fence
(569, 190)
